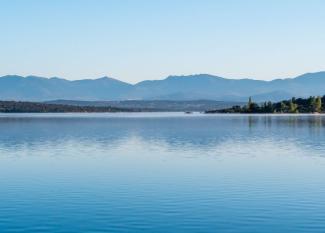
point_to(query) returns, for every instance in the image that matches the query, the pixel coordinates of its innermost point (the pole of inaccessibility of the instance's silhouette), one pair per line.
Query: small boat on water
(188, 112)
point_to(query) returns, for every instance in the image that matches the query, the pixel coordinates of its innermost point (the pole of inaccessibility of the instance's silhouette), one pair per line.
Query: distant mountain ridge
(191, 87)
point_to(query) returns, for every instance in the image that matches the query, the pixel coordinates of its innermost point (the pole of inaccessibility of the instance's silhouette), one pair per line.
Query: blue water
(162, 172)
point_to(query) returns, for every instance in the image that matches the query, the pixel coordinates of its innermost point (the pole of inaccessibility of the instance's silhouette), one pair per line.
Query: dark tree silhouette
(310, 105)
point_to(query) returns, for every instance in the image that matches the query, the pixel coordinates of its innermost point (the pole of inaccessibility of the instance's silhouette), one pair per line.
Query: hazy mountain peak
(11, 76)
(106, 78)
(320, 74)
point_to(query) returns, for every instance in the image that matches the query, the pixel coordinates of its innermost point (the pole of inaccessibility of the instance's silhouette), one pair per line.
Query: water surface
(162, 172)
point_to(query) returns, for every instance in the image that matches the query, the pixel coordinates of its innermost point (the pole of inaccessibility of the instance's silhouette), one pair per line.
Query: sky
(137, 40)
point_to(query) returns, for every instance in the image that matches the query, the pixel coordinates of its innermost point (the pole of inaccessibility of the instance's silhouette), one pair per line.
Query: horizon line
(182, 75)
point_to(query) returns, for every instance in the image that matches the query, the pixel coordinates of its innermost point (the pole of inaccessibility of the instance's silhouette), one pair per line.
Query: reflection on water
(166, 172)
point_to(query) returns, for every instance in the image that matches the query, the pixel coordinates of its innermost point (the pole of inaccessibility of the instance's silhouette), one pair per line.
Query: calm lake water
(162, 172)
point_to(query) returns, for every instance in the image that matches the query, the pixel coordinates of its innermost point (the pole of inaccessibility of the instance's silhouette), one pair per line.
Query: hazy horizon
(140, 40)
(162, 78)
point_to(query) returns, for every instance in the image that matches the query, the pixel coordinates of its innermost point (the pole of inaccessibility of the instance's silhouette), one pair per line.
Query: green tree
(283, 107)
(293, 107)
(312, 104)
(318, 104)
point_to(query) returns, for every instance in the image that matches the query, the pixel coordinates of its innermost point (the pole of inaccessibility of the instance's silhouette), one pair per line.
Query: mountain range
(191, 87)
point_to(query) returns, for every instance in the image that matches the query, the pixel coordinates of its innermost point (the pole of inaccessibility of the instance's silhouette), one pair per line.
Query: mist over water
(162, 172)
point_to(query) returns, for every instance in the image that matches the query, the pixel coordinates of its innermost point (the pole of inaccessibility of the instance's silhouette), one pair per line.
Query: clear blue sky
(142, 39)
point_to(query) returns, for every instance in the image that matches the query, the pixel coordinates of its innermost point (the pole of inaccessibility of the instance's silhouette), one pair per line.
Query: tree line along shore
(34, 107)
(313, 104)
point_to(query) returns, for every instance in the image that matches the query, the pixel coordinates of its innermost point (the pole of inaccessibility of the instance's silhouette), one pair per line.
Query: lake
(162, 172)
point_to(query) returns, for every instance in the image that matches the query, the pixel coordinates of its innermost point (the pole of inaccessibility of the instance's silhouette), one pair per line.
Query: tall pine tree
(249, 104)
